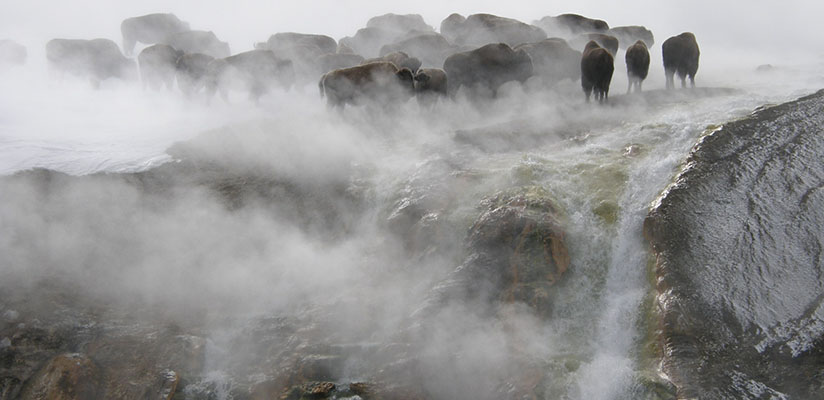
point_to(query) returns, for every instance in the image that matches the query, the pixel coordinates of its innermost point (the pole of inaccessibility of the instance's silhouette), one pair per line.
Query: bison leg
(692, 81)
(670, 78)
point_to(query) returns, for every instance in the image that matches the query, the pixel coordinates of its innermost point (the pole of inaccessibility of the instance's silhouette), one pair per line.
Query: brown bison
(190, 71)
(480, 29)
(400, 59)
(554, 60)
(149, 29)
(96, 59)
(158, 65)
(681, 56)
(637, 60)
(379, 82)
(596, 71)
(610, 43)
(487, 67)
(430, 85)
(329, 62)
(203, 42)
(570, 25)
(432, 48)
(628, 35)
(255, 72)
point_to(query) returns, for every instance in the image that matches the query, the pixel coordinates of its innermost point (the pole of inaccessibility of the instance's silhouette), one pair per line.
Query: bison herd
(395, 57)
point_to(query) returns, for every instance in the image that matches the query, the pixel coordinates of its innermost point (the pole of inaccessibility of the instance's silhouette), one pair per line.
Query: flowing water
(602, 165)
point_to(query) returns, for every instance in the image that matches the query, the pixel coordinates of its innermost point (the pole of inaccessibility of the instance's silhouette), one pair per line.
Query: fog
(210, 211)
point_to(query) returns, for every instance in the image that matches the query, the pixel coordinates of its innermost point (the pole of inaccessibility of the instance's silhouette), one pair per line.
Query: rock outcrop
(738, 243)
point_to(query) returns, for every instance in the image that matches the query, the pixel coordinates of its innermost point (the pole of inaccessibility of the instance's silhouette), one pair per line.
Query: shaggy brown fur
(554, 60)
(637, 60)
(400, 59)
(191, 72)
(381, 81)
(681, 55)
(157, 66)
(597, 66)
(430, 84)
(489, 67)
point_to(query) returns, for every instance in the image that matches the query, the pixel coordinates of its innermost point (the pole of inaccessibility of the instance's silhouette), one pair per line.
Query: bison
(400, 59)
(553, 60)
(637, 60)
(203, 42)
(96, 59)
(610, 43)
(158, 64)
(480, 29)
(190, 71)
(628, 35)
(571, 25)
(149, 29)
(329, 62)
(597, 66)
(255, 72)
(380, 82)
(432, 48)
(681, 56)
(488, 67)
(430, 84)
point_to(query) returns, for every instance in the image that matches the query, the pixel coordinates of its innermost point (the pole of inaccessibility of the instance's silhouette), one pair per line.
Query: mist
(218, 216)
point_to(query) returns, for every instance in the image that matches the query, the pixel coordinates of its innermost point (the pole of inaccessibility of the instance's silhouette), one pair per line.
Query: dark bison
(553, 60)
(149, 29)
(606, 41)
(628, 35)
(158, 64)
(12, 53)
(430, 85)
(303, 49)
(432, 48)
(400, 59)
(96, 59)
(480, 29)
(379, 82)
(597, 66)
(203, 42)
(681, 56)
(637, 59)
(255, 72)
(191, 72)
(488, 67)
(368, 41)
(329, 62)
(571, 25)
(401, 24)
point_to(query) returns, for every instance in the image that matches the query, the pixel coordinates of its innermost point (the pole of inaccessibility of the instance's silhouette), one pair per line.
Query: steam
(318, 238)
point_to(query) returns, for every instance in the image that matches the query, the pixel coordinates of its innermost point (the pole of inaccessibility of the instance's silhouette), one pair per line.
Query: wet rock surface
(739, 271)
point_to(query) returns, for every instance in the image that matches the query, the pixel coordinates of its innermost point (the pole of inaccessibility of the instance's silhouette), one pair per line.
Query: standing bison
(379, 82)
(681, 56)
(158, 64)
(430, 85)
(480, 29)
(400, 59)
(96, 59)
(191, 72)
(255, 72)
(487, 67)
(203, 42)
(596, 71)
(553, 60)
(571, 25)
(149, 29)
(637, 60)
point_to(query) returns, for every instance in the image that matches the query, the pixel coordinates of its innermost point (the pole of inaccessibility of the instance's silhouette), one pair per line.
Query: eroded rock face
(515, 252)
(738, 241)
